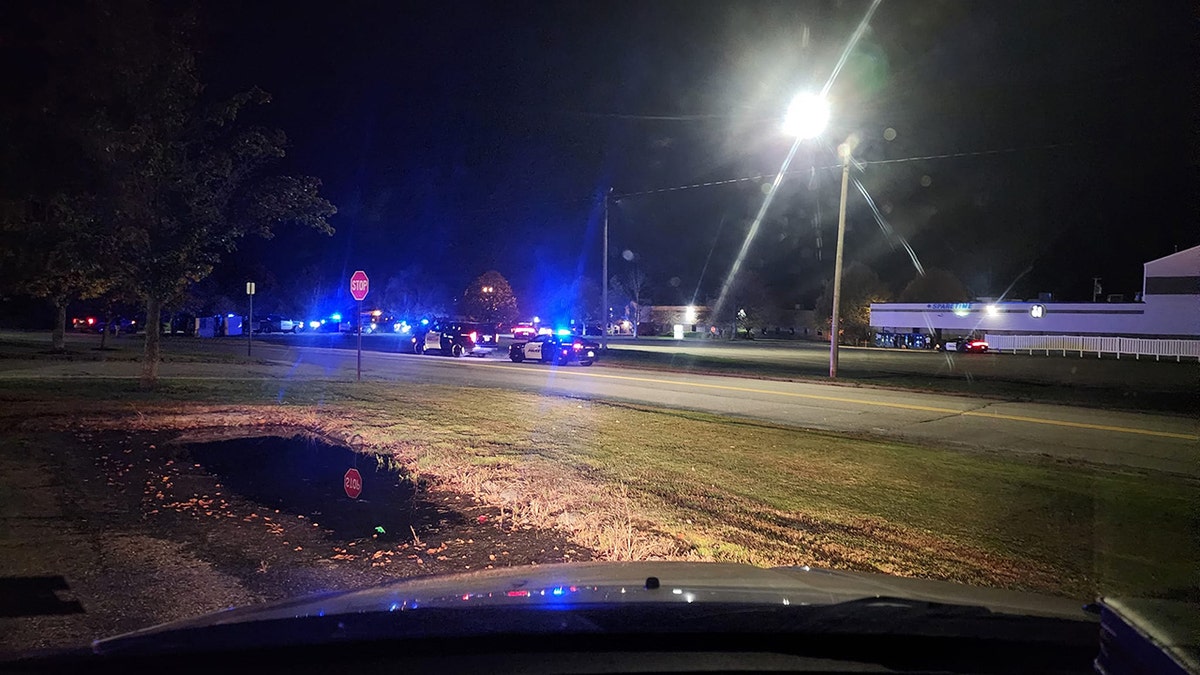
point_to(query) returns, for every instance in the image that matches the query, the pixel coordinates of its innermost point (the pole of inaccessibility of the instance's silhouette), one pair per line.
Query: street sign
(352, 483)
(359, 285)
(250, 328)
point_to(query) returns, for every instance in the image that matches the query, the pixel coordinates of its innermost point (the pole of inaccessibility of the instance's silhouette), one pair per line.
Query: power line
(711, 183)
(766, 176)
(668, 118)
(974, 153)
(859, 163)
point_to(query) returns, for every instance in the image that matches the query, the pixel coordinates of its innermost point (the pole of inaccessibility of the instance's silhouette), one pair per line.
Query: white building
(1169, 307)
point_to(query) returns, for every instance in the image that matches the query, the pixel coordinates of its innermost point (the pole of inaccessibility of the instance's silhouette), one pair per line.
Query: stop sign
(352, 483)
(359, 284)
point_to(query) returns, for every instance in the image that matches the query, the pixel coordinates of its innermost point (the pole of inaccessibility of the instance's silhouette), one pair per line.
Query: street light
(807, 117)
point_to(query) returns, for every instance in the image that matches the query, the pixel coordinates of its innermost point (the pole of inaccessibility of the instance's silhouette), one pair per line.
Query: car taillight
(91, 321)
(473, 336)
(577, 346)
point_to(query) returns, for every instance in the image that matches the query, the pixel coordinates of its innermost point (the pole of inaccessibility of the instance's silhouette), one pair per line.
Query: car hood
(590, 584)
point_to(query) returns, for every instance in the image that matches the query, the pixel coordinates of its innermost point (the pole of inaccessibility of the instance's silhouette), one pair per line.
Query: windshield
(314, 297)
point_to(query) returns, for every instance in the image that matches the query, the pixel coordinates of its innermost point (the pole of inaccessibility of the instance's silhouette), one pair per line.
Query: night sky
(461, 137)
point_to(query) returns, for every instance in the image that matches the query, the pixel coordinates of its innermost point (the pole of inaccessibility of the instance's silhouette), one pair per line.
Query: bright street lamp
(806, 117)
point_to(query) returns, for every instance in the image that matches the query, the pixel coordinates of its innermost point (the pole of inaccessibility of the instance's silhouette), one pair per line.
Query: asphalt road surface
(801, 358)
(1136, 440)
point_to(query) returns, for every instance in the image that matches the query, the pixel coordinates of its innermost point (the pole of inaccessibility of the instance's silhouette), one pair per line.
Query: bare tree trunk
(108, 323)
(153, 342)
(58, 338)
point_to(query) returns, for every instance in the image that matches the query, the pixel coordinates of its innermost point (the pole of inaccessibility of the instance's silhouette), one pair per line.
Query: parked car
(87, 325)
(274, 323)
(448, 338)
(329, 324)
(93, 324)
(980, 346)
(558, 349)
(486, 336)
(524, 331)
(966, 345)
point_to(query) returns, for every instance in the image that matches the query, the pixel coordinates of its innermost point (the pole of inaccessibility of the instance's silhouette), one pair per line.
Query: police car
(444, 337)
(560, 349)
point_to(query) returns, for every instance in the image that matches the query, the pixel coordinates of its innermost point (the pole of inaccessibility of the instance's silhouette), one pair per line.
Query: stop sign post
(352, 483)
(359, 285)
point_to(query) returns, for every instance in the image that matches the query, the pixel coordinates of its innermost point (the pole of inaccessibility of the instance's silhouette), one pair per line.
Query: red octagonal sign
(352, 482)
(359, 285)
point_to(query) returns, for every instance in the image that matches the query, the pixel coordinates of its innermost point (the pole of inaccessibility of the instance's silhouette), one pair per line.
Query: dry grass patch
(632, 482)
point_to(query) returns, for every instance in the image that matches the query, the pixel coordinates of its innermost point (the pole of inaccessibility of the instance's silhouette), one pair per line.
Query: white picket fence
(1095, 344)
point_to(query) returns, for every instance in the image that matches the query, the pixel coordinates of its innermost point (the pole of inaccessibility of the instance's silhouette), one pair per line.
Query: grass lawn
(35, 346)
(1158, 387)
(637, 482)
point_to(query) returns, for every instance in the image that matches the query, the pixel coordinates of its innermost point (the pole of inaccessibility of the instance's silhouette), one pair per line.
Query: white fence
(1095, 344)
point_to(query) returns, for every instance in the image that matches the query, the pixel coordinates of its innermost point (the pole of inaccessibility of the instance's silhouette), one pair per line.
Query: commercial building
(1168, 308)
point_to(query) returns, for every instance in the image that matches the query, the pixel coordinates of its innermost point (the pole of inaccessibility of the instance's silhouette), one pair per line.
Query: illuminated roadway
(1138, 440)
(1128, 439)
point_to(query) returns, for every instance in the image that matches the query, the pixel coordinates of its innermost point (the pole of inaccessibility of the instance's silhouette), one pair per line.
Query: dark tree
(748, 303)
(167, 180)
(490, 298)
(586, 305)
(413, 294)
(632, 288)
(188, 179)
(54, 250)
(860, 287)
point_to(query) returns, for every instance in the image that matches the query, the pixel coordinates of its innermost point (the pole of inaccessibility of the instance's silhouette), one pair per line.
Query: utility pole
(604, 278)
(844, 151)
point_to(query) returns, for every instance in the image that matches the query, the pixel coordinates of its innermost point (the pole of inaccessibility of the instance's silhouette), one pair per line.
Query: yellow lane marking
(1083, 425)
(879, 404)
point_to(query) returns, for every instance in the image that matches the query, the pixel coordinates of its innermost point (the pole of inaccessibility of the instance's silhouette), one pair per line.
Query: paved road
(1138, 440)
(799, 358)
(812, 358)
(1109, 437)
